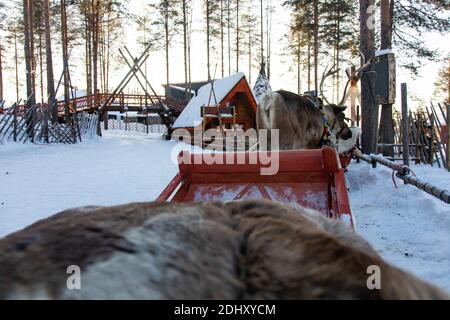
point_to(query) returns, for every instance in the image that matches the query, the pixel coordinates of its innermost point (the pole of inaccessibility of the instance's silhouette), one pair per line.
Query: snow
(76, 94)
(409, 228)
(383, 52)
(37, 181)
(191, 116)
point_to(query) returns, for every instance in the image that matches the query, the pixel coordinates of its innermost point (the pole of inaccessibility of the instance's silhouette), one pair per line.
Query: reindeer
(302, 122)
(236, 250)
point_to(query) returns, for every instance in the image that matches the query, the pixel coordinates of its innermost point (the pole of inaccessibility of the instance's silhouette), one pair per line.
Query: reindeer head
(335, 113)
(335, 116)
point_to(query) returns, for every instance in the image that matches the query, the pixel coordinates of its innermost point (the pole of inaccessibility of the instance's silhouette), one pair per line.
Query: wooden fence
(427, 137)
(33, 125)
(136, 127)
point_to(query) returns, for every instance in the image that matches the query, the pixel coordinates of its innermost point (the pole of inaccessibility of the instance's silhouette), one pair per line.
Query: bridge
(122, 102)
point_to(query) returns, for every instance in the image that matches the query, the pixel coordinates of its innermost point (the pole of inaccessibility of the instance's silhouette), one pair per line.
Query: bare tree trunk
(29, 51)
(95, 43)
(309, 63)
(386, 123)
(369, 106)
(268, 38)
(16, 60)
(49, 63)
(185, 46)
(108, 57)
(316, 45)
(338, 58)
(262, 32)
(222, 39)
(65, 60)
(249, 56)
(189, 50)
(166, 29)
(88, 56)
(41, 68)
(208, 40)
(237, 35)
(101, 57)
(229, 37)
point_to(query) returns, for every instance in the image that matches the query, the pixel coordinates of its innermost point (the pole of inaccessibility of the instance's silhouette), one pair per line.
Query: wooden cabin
(225, 104)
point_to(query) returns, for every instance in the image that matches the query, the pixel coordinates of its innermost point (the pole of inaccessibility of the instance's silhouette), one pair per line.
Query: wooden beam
(405, 124)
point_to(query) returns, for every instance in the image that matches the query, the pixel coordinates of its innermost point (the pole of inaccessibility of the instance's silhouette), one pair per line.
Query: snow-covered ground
(408, 227)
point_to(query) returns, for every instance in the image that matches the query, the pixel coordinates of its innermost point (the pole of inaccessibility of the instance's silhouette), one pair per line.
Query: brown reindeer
(237, 250)
(300, 122)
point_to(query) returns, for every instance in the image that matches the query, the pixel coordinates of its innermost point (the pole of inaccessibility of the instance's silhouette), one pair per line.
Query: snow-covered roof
(191, 116)
(181, 88)
(76, 94)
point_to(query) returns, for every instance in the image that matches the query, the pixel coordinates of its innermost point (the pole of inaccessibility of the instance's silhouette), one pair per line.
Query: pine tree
(442, 84)
(412, 19)
(49, 60)
(300, 37)
(101, 27)
(338, 31)
(13, 39)
(65, 56)
(251, 38)
(213, 30)
(29, 51)
(164, 28)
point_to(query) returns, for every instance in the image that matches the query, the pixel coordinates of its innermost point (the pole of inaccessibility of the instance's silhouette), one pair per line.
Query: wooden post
(358, 116)
(448, 137)
(405, 124)
(431, 142)
(105, 120)
(15, 122)
(376, 124)
(45, 124)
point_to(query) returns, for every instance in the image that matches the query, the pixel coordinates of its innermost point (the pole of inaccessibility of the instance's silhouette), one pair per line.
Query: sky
(282, 78)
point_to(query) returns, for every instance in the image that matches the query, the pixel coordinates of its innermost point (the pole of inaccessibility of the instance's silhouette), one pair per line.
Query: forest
(45, 45)
(41, 38)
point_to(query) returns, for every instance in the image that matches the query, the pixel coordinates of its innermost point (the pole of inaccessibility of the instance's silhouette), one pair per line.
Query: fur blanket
(237, 250)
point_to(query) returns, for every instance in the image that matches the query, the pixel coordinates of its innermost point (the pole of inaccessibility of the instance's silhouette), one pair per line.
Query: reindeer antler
(355, 75)
(326, 74)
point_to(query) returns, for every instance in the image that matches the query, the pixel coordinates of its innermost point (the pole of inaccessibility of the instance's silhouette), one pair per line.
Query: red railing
(91, 103)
